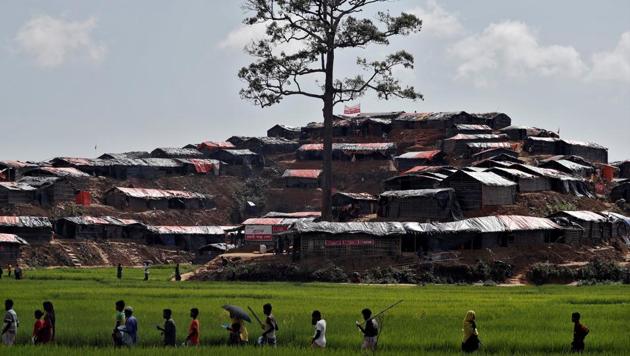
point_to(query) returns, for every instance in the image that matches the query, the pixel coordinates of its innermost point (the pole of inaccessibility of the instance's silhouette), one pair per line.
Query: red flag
(351, 110)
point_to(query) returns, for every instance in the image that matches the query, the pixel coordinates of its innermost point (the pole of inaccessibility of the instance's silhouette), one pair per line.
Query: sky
(82, 78)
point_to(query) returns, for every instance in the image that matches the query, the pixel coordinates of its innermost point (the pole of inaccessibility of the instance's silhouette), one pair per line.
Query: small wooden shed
(141, 199)
(10, 246)
(438, 204)
(302, 178)
(288, 132)
(33, 229)
(476, 190)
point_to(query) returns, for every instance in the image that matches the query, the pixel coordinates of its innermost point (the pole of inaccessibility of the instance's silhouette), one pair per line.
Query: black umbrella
(237, 312)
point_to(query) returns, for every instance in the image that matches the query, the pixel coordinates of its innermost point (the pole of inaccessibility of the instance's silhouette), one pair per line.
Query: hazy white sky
(135, 75)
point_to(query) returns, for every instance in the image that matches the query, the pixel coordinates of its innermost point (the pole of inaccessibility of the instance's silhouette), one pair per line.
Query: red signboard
(258, 237)
(279, 228)
(337, 243)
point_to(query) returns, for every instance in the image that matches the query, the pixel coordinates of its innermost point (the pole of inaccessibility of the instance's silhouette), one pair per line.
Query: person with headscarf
(49, 321)
(470, 342)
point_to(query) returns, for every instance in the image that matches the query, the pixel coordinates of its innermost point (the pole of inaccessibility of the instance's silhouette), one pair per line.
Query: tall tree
(316, 30)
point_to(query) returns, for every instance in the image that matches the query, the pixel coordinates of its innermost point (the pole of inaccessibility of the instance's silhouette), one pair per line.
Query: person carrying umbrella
(238, 332)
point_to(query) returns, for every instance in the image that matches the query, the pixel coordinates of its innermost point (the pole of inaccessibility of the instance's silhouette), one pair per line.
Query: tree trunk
(328, 133)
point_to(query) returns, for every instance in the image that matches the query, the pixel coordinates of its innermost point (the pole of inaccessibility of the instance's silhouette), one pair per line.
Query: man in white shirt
(319, 339)
(11, 322)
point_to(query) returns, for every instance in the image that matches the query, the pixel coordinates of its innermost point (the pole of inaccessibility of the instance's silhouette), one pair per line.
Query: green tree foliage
(318, 29)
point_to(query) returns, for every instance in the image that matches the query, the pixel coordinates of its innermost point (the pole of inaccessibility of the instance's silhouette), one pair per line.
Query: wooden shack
(620, 191)
(521, 133)
(99, 228)
(457, 145)
(288, 132)
(496, 120)
(348, 151)
(141, 199)
(469, 129)
(476, 190)
(10, 246)
(53, 190)
(542, 146)
(373, 127)
(349, 240)
(569, 167)
(270, 145)
(13, 170)
(419, 158)
(14, 193)
(624, 169)
(208, 147)
(239, 157)
(33, 229)
(493, 152)
(302, 178)
(587, 150)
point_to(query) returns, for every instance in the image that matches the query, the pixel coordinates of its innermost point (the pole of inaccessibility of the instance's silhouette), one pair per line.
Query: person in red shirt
(38, 327)
(193, 330)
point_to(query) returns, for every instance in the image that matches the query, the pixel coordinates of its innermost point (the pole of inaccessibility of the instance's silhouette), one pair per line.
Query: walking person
(11, 324)
(193, 330)
(120, 321)
(130, 329)
(579, 333)
(17, 272)
(9, 267)
(119, 271)
(238, 334)
(146, 271)
(169, 330)
(49, 330)
(178, 276)
(38, 336)
(1, 272)
(370, 331)
(319, 338)
(270, 327)
(470, 342)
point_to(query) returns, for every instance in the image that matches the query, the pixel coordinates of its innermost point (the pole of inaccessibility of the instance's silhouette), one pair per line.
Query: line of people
(17, 272)
(125, 332)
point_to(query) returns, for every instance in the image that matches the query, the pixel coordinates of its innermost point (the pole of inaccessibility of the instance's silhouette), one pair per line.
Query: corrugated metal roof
(412, 193)
(62, 171)
(368, 228)
(515, 154)
(216, 145)
(17, 186)
(585, 215)
(296, 214)
(302, 173)
(585, 144)
(460, 136)
(242, 152)
(100, 220)
(351, 147)
(25, 221)
(125, 155)
(419, 155)
(486, 145)
(265, 140)
(472, 127)
(489, 178)
(288, 128)
(513, 172)
(575, 167)
(357, 196)
(418, 169)
(487, 224)
(146, 193)
(177, 151)
(12, 239)
(545, 139)
(17, 164)
(186, 230)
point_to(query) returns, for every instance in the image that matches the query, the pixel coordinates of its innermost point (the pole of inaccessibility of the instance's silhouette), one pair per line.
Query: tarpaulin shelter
(126, 155)
(520, 133)
(526, 182)
(409, 160)
(620, 191)
(45, 171)
(270, 145)
(349, 151)
(476, 190)
(372, 127)
(34, 229)
(559, 182)
(52, 190)
(99, 228)
(239, 157)
(435, 120)
(597, 228)
(13, 193)
(496, 120)
(346, 240)
(438, 204)
(475, 147)
(624, 169)
(302, 178)
(13, 170)
(346, 205)
(208, 147)
(176, 152)
(284, 131)
(457, 145)
(157, 199)
(201, 166)
(412, 181)
(469, 129)
(189, 238)
(587, 150)
(315, 130)
(493, 152)
(569, 167)
(10, 249)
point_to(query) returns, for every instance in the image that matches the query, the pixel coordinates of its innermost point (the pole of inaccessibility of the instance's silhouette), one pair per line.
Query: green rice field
(511, 320)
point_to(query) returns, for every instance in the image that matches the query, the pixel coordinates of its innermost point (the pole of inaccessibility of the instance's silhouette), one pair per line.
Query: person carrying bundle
(370, 331)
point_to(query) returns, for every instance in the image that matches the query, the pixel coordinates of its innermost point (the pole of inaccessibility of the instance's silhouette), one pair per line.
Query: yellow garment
(243, 331)
(469, 330)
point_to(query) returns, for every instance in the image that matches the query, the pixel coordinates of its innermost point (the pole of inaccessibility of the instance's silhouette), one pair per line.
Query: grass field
(518, 320)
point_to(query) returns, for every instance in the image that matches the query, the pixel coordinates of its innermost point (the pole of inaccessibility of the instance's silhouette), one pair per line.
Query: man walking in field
(270, 327)
(146, 271)
(11, 323)
(579, 333)
(169, 330)
(370, 331)
(319, 339)
(119, 271)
